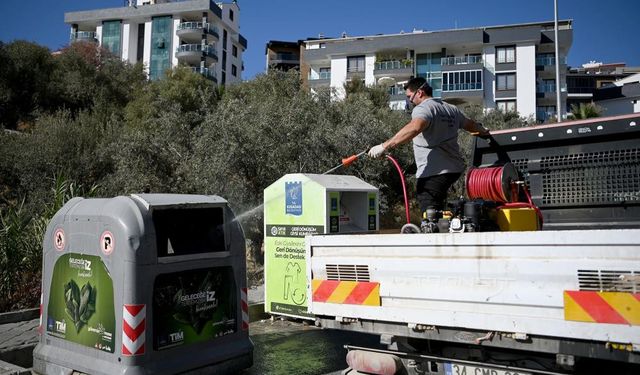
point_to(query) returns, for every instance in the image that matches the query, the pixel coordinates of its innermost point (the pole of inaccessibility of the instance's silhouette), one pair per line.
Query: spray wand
(346, 161)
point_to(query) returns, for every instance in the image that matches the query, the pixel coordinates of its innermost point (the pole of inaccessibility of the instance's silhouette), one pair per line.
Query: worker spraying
(434, 129)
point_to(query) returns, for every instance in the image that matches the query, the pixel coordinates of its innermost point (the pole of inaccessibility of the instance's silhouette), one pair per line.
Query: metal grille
(609, 281)
(522, 165)
(603, 177)
(347, 272)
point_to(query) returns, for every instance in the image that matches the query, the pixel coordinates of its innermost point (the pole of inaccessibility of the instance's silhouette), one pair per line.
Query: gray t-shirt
(436, 149)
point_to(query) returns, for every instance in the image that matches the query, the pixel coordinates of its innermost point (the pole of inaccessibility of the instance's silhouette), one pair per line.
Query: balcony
(549, 61)
(206, 72)
(462, 87)
(461, 60)
(192, 53)
(284, 58)
(393, 69)
(320, 79)
(83, 36)
(195, 30)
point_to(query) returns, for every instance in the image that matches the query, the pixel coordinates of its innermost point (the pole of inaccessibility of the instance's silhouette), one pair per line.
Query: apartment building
(201, 34)
(510, 67)
(584, 82)
(283, 55)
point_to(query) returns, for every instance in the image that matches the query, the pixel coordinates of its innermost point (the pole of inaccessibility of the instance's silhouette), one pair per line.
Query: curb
(19, 316)
(10, 369)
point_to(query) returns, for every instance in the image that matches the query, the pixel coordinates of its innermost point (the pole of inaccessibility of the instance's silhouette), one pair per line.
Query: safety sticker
(602, 307)
(59, 239)
(346, 292)
(107, 242)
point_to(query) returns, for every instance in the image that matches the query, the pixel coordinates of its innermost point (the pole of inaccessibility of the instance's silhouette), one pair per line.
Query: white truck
(565, 299)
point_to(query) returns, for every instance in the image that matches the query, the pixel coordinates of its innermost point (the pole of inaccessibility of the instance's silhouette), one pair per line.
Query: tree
(585, 111)
(25, 69)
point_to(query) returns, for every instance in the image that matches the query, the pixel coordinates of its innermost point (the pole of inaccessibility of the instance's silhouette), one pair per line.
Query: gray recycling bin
(145, 284)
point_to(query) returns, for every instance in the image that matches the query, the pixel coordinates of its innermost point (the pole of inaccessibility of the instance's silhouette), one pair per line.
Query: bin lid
(341, 182)
(175, 200)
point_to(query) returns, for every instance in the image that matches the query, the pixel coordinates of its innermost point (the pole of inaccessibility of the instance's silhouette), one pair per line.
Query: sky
(604, 31)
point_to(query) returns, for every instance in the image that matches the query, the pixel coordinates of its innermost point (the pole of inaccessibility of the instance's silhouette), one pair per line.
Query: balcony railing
(462, 87)
(393, 65)
(546, 61)
(396, 91)
(209, 49)
(286, 57)
(550, 87)
(84, 35)
(461, 60)
(198, 26)
(320, 76)
(206, 72)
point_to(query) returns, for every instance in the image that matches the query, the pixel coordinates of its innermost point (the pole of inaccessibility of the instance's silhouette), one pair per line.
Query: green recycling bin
(297, 205)
(144, 284)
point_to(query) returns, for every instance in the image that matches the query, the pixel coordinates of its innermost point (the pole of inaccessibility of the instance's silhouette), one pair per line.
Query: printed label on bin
(80, 305)
(193, 306)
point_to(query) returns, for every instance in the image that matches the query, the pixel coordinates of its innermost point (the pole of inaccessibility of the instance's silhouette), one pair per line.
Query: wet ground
(298, 348)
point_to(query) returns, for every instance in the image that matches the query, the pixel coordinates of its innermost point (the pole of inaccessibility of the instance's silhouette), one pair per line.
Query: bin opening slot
(181, 231)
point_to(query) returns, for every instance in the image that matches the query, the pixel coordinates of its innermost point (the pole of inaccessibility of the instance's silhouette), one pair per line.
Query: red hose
(404, 187)
(486, 183)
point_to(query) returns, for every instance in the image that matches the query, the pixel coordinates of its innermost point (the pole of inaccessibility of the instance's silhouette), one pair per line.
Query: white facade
(199, 36)
(461, 65)
(526, 79)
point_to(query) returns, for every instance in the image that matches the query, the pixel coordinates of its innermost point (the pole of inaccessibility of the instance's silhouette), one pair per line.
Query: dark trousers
(432, 191)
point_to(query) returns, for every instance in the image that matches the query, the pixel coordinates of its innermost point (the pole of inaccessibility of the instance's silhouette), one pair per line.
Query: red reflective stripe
(637, 295)
(597, 307)
(133, 333)
(325, 289)
(360, 293)
(134, 309)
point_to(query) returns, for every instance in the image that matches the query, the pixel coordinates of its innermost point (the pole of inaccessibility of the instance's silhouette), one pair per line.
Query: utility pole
(558, 107)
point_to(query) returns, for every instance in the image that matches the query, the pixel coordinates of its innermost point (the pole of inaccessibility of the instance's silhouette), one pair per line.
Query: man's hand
(483, 132)
(376, 151)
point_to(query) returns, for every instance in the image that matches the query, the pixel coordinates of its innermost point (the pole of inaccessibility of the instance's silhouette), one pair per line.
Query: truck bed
(507, 282)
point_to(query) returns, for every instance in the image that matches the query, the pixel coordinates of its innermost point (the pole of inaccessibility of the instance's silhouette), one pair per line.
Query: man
(434, 129)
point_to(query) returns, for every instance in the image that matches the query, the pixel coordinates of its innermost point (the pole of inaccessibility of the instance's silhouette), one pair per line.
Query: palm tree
(584, 111)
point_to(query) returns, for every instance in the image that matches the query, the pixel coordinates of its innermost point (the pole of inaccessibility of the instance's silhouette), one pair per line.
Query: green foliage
(584, 111)
(24, 71)
(21, 236)
(356, 89)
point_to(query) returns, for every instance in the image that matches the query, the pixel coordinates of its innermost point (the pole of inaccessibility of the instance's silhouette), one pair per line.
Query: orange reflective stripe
(346, 292)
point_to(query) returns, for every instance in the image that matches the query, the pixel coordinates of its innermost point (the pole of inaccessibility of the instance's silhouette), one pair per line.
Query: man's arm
(474, 128)
(407, 133)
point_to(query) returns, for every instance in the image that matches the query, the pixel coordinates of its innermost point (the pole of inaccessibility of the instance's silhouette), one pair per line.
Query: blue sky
(606, 31)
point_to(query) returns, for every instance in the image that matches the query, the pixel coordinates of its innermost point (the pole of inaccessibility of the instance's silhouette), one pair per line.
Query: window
(111, 35)
(224, 39)
(506, 81)
(234, 51)
(462, 81)
(231, 14)
(544, 59)
(506, 106)
(355, 64)
(547, 85)
(234, 70)
(505, 55)
(545, 112)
